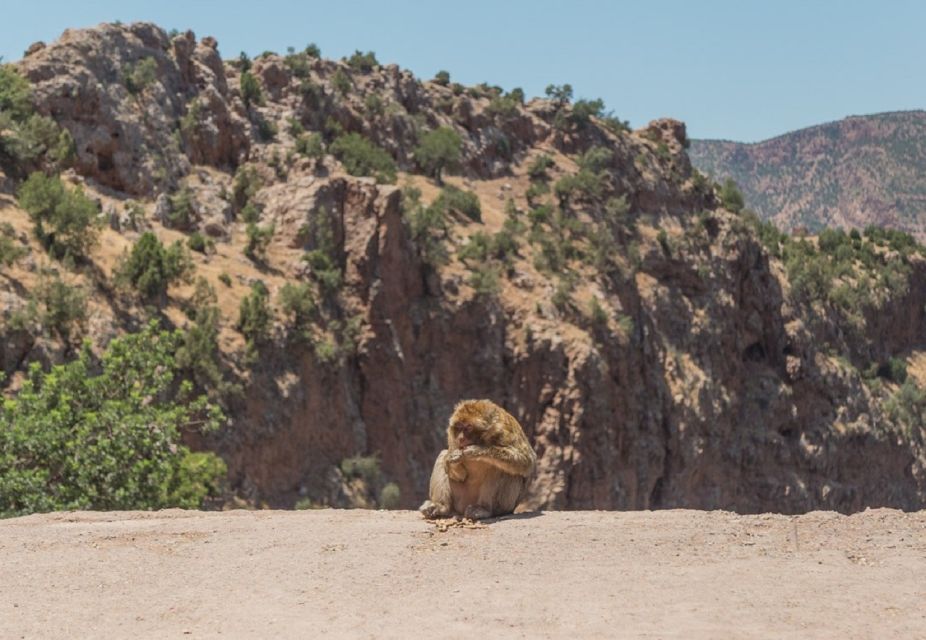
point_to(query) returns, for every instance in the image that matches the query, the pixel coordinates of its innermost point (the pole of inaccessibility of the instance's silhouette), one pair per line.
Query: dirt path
(359, 574)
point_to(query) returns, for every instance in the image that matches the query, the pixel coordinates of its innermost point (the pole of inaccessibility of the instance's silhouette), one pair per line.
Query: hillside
(669, 574)
(852, 173)
(338, 290)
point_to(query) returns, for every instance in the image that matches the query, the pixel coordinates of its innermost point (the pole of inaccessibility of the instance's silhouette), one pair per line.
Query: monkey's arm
(514, 460)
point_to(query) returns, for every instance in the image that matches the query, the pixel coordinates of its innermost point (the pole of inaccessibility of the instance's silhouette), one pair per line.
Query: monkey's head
(473, 422)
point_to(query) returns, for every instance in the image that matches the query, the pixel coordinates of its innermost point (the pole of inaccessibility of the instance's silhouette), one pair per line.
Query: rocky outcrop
(123, 93)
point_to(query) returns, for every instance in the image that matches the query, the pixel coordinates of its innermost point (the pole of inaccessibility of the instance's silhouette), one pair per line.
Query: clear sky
(741, 70)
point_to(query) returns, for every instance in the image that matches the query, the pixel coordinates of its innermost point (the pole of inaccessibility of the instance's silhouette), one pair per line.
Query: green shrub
(298, 305)
(182, 210)
(11, 250)
(427, 227)
(453, 199)
(245, 185)
(258, 239)
(584, 184)
(225, 279)
(15, 93)
(138, 76)
(363, 62)
(311, 146)
(485, 280)
(361, 157)
(596, 159)
(65, 221)
(503, 107)
(390, 496)
(597, 314)
(254, 316)
(439, 150)
(87, 435)
(150, 268)
(559, 94)
(322, 256)
(731, 197)
(198, 354)
(537, 170)
(364, 467)
(373, 105)
(198, 242)
(250, 90)
(56, 307)
(266, 129)
(341, 82)
(442, 78)
(584, 110)
(313, 51)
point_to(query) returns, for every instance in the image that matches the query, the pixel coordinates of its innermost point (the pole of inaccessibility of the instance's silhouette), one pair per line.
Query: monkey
(486, 468)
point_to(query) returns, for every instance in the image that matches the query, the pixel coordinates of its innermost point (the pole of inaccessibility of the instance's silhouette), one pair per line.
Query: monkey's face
(464, 434)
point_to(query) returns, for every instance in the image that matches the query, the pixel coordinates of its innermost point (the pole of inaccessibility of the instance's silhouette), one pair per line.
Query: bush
(312, 50)
(198, 242)
(298, 305)
(11, 250)
(254, 316)
(584, 110)
(390, 496)
(151, 268)
(363, 62)
(438, 150)
(560, 94)
(452, 199)
(596, 159)
(361, 157)
(87, 435)
(258, 239)
(442, 78)
(341, 82)
(244, 186)
(427, 227)
(56, 307)
(15, 93)
(182, 211)
(311, 146)
(266, 130)
(225, 279)
(537, 170)
(65, 221)
(731, 197)
(322, 256)
(198, 354)
(485, 280)
(138, 76)
(250, 90)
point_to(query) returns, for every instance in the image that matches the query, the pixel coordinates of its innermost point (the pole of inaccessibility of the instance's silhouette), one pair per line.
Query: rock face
(122, 91)
(648, 340)
(851, 173)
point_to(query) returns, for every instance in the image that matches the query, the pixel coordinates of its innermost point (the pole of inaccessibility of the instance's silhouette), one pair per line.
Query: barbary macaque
(486, 468)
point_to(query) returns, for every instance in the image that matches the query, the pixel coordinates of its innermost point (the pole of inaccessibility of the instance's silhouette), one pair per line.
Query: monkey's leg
(440, 502)
(498, 495)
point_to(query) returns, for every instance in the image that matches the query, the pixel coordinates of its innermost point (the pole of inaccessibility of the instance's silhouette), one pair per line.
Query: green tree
(106, 433)
(250, 90)
(731, 197)
(254, 316)
(361, 157)
(65, 221)
(151, 267)
(138, 76)
(439, 150)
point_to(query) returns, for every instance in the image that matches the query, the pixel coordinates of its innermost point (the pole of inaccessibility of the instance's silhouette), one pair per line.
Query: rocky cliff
(851, 173)
(652, 343)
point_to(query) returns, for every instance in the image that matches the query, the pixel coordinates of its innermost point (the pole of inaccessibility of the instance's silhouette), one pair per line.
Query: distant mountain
(857, 171)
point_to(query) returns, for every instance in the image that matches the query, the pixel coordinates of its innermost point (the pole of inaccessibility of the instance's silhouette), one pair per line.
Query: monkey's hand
(456, 470)
(474, 451)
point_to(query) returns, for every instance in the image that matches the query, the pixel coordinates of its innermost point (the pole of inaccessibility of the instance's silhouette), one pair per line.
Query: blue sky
(736, 70)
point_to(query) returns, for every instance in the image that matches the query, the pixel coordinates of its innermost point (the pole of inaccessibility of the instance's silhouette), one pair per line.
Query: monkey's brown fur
(487, 465)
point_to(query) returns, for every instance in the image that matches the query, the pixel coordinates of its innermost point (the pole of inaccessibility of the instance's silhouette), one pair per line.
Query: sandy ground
(362, 574)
